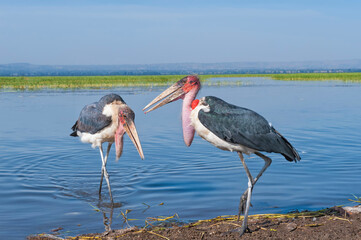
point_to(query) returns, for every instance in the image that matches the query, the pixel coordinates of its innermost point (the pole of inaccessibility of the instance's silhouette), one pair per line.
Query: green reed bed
(73, 82)
(348, 77)
(352, 77)
(65, 82)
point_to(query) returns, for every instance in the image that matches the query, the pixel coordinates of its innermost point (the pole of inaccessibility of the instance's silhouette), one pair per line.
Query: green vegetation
(23, 83)
(348, 77)
(356, 200)
(73, 82)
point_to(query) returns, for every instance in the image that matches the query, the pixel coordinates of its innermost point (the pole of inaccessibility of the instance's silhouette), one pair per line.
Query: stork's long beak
(169, 95)
(130, 129)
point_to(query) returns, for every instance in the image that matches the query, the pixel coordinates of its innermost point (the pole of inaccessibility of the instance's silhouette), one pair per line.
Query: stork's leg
(243, 200)
(249, 194)
(104, 170)
(104, 165)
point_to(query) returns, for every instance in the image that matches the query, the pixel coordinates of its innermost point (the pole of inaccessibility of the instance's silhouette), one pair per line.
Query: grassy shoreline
(74, 82)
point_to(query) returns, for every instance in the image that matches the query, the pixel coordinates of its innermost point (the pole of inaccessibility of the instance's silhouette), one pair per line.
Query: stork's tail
(74, 128)
(290, 152)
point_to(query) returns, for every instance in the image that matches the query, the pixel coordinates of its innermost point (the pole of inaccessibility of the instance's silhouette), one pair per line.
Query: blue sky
(145, 32)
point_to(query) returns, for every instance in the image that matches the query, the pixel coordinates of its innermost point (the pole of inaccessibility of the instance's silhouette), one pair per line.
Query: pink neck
(188, 130)
(119, 140)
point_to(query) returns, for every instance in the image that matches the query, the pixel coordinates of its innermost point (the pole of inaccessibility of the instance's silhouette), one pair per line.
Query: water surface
(49, 179)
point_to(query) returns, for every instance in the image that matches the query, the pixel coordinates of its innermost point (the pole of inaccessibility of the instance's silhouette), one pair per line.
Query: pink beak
(127, 126)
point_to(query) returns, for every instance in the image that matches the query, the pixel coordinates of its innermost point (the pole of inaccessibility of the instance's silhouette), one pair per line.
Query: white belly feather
(211, 137)
(104, 135)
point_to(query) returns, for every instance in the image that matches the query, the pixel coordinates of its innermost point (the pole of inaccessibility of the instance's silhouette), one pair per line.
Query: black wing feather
(91, 120)
(243, 126)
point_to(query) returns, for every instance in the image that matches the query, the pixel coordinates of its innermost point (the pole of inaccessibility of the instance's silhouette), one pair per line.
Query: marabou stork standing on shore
(227, 127)
(107, 121)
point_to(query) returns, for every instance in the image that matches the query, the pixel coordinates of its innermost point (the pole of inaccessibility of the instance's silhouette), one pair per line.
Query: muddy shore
(330, 223)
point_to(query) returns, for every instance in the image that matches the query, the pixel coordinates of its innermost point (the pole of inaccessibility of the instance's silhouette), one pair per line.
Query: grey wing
(246, 127)
(239, 127)
(91, 120)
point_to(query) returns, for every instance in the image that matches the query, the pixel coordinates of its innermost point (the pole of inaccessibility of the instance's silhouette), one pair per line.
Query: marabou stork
(227, 127)
(107, 121)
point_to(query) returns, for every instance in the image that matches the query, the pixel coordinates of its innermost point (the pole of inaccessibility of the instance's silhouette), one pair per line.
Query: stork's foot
(242, 204)
(240, 230)
(104, 234)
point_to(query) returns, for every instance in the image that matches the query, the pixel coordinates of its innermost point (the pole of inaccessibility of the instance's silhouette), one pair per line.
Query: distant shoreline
(85, 82)
(185, 68)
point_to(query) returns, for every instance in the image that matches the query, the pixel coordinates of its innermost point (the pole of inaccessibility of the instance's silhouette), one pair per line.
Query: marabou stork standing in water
(107, 121)
(227, 127)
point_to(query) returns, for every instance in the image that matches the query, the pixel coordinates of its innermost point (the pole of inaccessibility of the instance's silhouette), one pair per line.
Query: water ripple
(49, 176)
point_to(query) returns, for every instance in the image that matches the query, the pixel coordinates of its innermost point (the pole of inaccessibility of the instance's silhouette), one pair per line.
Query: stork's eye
(122, 117)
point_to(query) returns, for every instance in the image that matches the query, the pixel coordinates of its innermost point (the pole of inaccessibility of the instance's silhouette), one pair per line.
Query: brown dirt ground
(331, 223)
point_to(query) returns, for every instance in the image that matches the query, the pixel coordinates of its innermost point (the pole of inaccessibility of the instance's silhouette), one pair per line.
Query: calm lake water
(50, 180)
